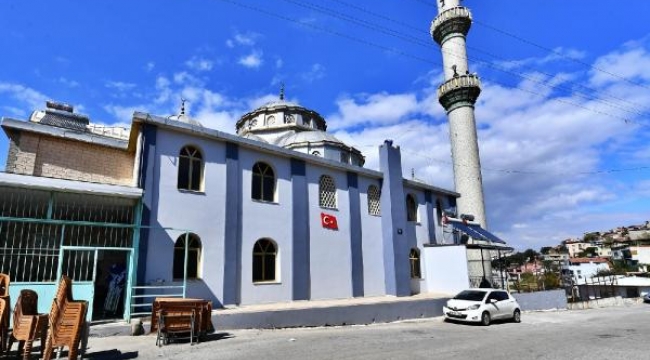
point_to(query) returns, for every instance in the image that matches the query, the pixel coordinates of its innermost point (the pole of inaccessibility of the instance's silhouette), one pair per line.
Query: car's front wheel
(485, 318)
(516, 317)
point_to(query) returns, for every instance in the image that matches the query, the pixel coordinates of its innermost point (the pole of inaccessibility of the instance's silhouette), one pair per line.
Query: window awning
(476, 232)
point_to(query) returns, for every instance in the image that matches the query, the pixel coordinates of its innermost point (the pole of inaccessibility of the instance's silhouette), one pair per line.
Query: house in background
(582, 269)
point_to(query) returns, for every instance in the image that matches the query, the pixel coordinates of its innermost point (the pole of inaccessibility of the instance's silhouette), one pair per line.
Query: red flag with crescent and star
(329, 221)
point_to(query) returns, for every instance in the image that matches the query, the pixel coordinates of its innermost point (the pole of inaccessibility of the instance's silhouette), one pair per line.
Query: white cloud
(558, 54)
(199, 64)
(631, 63)
(120, 86)
(372, 109)
(252, 60)
(243, 39)
(149, 66)
(26, 95)
(67, 82)
(316, 72)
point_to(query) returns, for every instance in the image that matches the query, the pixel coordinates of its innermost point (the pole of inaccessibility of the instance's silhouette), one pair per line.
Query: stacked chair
(4, 310)
(28, 323)
(67, 321)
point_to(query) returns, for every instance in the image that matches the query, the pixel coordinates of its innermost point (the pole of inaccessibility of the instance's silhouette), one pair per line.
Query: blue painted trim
(146, 176)
(356, 236)
(395, 244)
(301, 274)
(431, 223)
(233, 228)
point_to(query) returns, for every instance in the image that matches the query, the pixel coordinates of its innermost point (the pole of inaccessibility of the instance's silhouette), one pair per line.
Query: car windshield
(472, 295)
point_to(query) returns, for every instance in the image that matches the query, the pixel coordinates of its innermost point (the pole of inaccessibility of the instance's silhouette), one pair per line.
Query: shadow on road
(111, 354)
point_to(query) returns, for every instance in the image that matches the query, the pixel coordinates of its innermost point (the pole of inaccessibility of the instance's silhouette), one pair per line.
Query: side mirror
(492, 301)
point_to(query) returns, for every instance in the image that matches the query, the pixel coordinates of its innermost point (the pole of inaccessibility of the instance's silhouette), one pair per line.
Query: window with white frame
(374, 197)
(190, 169)
(265, 255)
(327, 192)
(263, 182)
(193, 256)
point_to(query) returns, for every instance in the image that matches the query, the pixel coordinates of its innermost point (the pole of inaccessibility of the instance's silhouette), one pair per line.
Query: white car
(482, 305)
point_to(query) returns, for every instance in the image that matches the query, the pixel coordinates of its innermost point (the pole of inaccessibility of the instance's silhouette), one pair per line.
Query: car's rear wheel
(485, 318)
(516, 317)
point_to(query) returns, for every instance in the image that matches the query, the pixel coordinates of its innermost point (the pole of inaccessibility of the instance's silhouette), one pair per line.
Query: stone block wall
(46, 156)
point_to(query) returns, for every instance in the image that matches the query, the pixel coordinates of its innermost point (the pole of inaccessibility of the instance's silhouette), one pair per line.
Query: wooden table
(203, 309)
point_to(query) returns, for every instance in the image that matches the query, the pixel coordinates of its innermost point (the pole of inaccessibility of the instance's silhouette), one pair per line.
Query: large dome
(292, 126)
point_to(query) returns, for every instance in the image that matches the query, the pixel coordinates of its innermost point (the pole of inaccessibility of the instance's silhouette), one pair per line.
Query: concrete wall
(542, 300)
(271, 220)
(40, 155)
(446, 269)
(373, 252)
(330, 258)
(201, 212)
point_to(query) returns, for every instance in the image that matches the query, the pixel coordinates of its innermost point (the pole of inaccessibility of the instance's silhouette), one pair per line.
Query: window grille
(414, 259)
(411, 208)
(264, 260)
(327, 192)
(263, 182)
(190, 169)
(374, 197)
(193, 257)
(30, 243)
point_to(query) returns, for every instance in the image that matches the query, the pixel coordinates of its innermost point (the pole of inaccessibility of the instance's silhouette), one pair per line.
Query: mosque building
(279, 211)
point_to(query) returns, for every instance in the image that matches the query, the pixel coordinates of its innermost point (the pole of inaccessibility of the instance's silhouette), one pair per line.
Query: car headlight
(474, 307)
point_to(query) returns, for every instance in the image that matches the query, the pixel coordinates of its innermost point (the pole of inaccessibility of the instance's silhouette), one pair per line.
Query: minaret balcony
(461, 89)
(456, 20)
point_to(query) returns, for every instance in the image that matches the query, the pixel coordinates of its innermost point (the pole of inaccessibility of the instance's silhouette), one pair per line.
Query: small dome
(307, 136)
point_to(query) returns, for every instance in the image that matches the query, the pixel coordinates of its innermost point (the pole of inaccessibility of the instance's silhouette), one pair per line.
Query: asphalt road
(611, 333)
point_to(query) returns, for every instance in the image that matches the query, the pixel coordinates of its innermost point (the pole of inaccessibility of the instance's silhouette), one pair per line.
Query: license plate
(453, 313)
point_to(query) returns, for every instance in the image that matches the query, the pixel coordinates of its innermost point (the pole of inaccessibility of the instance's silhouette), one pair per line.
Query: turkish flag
(329, 221)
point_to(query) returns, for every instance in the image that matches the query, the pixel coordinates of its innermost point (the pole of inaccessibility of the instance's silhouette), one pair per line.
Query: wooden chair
(28, 323)
(67, 321)
(4, 307)
(4, 284)
(4, 317)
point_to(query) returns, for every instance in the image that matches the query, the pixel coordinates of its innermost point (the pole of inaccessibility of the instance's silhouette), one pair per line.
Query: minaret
(458, 95)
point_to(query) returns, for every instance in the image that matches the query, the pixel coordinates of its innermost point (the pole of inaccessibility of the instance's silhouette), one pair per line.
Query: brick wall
(39, 155)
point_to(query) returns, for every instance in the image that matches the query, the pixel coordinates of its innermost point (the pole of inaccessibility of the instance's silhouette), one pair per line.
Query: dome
(307, 137)
(289, 125)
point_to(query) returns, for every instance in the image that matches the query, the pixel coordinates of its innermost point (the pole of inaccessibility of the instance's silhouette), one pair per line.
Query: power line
(417, 41)
(545, 48)
(521, 172)
(411, 56)
(427, 45)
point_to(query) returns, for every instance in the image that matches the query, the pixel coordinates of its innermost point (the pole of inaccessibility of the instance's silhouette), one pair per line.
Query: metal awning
(475, 231)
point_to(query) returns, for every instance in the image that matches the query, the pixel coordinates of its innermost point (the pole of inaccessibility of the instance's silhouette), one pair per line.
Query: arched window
(263, 185)
(414, 259)
(327, 192)
(193, 256)
(374, 195)
(190, 169)
(264, 260)
(411, 208)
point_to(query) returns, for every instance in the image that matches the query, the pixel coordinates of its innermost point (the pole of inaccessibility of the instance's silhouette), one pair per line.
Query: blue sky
(563, 119)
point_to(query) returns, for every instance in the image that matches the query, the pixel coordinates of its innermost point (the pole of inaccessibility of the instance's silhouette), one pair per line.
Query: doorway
(99, 276)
